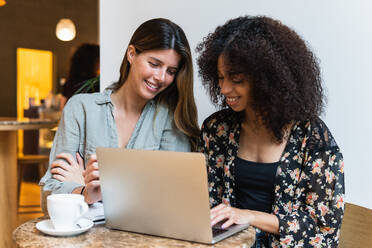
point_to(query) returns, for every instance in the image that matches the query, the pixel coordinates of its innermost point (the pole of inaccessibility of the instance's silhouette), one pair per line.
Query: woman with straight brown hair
(151, 107)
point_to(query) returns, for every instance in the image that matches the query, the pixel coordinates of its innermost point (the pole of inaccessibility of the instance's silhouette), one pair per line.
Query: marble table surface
(27, 235)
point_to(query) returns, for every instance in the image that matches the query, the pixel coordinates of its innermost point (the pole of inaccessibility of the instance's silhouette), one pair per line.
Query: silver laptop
(160, 193)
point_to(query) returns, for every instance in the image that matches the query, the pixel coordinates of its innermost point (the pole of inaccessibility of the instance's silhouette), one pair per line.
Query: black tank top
(254, 184)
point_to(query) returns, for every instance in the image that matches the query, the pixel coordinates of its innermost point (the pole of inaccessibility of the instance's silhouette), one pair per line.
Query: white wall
(339, 32)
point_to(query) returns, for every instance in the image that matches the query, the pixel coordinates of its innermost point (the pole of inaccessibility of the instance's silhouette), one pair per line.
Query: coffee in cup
(65, 210)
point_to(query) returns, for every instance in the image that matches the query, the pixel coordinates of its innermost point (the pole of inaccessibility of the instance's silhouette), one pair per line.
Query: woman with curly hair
(272, 162)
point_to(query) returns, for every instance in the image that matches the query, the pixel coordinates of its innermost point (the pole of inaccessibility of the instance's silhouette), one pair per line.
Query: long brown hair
(160, 34)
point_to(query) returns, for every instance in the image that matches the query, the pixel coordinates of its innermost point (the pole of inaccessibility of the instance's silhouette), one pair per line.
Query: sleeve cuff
(57, 187)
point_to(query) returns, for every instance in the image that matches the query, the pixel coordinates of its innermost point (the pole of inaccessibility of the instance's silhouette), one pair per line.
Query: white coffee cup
(65, 209)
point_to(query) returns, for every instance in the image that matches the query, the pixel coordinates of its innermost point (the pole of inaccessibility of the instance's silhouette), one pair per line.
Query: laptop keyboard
(217, 229)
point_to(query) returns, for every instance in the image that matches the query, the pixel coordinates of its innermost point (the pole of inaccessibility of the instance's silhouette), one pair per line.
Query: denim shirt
(88, 122)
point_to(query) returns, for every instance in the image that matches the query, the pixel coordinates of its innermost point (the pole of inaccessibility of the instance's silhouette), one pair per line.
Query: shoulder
(160, 108)
(224, 117)
(84, 100)
(318, 136)
(81, 104)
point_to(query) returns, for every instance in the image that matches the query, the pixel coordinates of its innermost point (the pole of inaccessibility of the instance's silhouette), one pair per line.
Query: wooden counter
(8, 171)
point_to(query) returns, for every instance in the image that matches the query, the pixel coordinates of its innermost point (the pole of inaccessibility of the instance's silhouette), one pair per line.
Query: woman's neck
(256, 132)
(257, 142)
(253, 126)
(127, 100)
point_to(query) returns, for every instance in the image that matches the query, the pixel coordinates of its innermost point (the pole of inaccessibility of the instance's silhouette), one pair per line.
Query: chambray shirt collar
(105, 97)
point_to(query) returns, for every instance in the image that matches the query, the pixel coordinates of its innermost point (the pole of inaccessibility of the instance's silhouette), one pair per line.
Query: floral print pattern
(309, 183)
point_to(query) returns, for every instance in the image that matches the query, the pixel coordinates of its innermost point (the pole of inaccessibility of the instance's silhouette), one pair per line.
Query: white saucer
(46, 226)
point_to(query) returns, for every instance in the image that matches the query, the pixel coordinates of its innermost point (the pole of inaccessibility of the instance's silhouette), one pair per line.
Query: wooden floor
(29, 205)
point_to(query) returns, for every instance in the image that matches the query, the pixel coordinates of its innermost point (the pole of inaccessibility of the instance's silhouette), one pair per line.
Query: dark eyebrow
(230, 74)
(161, 62)
(234, 73)
(157, 60)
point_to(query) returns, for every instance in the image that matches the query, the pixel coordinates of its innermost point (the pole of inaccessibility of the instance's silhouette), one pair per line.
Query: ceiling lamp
(2, 2)
(65, 29)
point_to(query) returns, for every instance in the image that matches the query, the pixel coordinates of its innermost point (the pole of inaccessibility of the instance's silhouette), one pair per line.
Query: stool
(29, 159)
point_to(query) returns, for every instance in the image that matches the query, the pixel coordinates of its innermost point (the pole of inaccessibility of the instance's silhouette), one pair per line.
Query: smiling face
(235, 87)
(152, 71)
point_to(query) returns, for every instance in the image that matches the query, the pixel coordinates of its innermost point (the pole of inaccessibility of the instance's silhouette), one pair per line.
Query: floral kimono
(309, 184)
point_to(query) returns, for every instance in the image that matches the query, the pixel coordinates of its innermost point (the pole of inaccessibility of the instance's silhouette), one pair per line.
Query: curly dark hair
(284, 73)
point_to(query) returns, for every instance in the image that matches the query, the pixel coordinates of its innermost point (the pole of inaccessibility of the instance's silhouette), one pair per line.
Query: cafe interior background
(34, 64)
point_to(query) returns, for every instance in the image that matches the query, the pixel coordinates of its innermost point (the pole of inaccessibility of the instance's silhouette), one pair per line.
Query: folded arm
(59, 178)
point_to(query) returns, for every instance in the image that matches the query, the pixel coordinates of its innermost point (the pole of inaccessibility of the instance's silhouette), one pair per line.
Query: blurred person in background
(84, 66)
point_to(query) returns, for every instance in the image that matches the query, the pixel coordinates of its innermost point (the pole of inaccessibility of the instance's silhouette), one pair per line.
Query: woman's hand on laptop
(232, 215)
(92, 191)
(66, 169)
(264, 221)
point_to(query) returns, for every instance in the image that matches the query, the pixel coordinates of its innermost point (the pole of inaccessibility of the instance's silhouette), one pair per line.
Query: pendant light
(2, 2)
(65, 29)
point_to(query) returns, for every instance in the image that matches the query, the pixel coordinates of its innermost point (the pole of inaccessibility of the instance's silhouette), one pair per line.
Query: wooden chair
(356, 228)
(43, 201)
(30, 159)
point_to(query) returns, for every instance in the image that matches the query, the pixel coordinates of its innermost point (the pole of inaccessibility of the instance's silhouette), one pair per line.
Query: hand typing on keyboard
(219, 225)
(228, 215)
